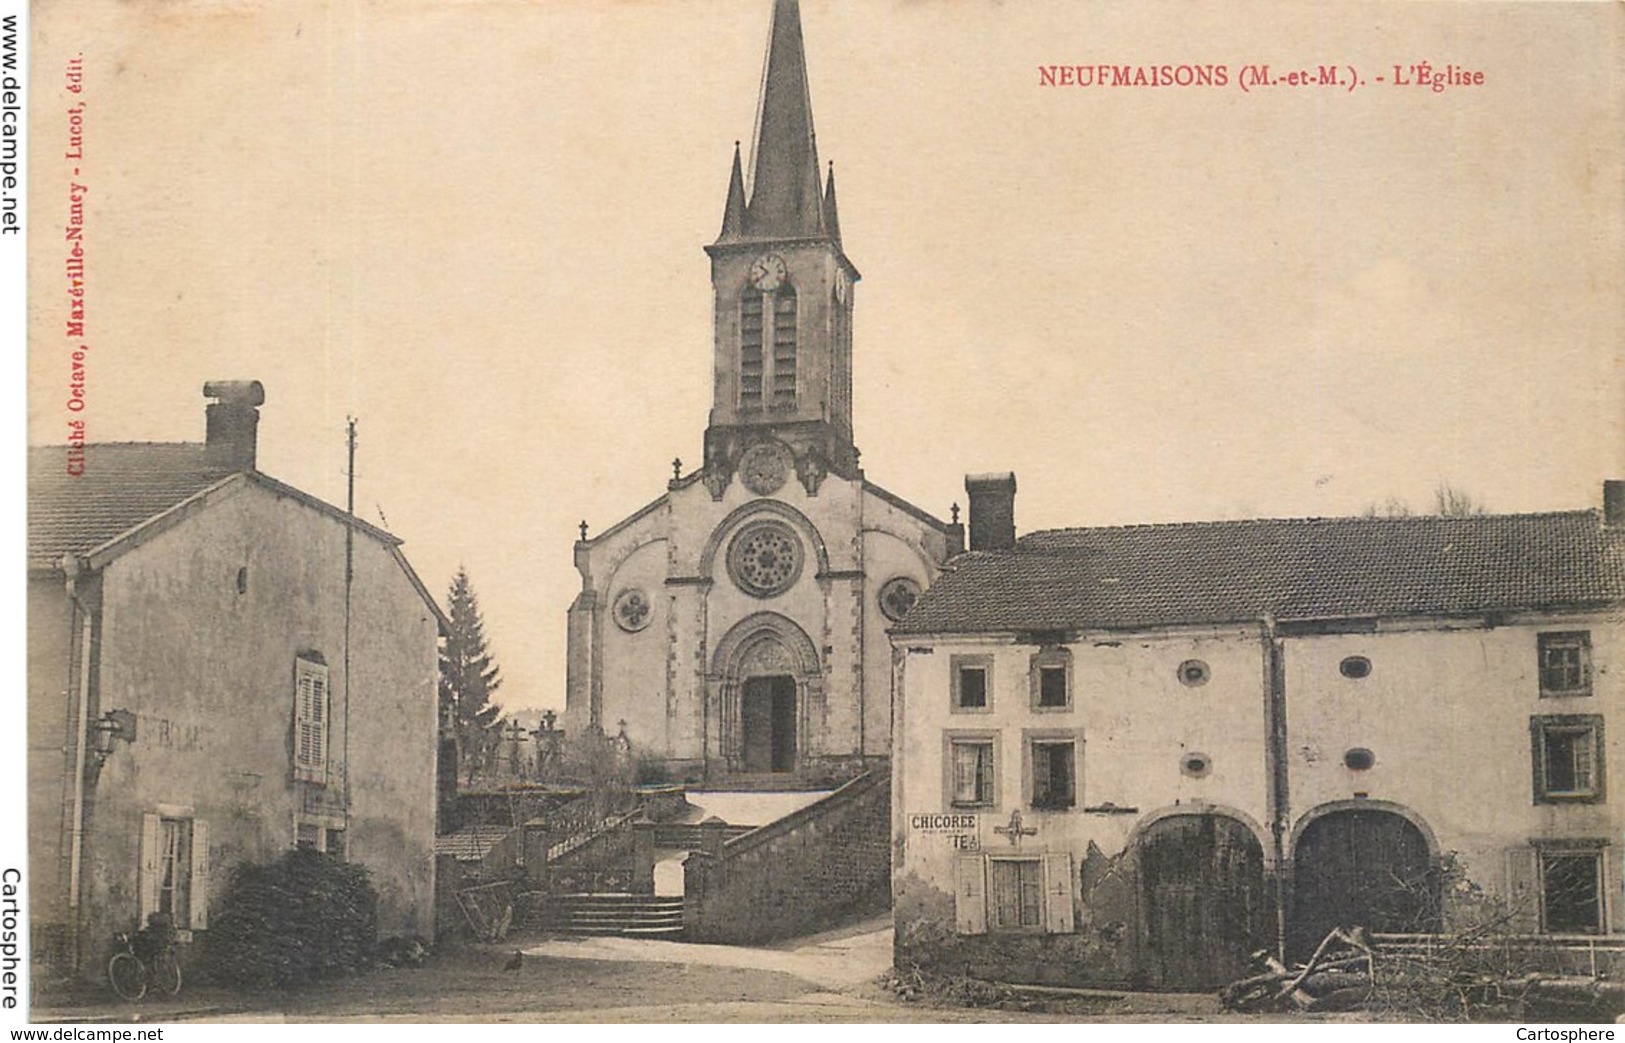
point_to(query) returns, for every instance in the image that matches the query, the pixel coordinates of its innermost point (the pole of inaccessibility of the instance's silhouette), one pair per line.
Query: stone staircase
(637, 916)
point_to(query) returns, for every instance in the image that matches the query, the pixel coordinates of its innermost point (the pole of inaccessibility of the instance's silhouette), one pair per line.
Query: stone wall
(797, 875)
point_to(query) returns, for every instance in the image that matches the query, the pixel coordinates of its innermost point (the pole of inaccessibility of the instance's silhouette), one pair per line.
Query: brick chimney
(1613, 502)
(992, 510)
(232, 422)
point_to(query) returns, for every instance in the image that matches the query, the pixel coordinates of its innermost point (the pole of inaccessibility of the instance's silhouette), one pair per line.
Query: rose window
(765, 559)
(632, 610)
(898, 596)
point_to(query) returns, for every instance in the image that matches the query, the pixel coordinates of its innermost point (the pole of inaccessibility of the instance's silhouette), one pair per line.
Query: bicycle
(145, 958)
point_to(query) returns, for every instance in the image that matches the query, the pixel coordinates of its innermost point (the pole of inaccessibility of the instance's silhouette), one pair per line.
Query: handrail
(576, 841)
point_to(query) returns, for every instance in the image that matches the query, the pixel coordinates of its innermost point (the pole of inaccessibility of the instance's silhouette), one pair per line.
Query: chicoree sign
(962, 830)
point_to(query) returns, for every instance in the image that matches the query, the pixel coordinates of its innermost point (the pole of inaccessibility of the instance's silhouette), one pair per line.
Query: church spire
(733, 212)
(785, 201)
(832, 219)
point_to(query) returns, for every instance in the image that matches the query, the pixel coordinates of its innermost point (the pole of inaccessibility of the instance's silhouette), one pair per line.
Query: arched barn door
(1202, 880)
(1361, 867)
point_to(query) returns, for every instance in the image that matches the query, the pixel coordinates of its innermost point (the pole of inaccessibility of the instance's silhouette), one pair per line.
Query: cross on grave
(1015, 831)
(515, 734)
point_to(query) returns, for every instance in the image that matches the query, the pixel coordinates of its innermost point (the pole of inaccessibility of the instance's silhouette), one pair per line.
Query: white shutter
(152, 869)
(1058, 893)
(310, 714)
(1523, 889)
(198, 915)
(970, 894)
(318, 723)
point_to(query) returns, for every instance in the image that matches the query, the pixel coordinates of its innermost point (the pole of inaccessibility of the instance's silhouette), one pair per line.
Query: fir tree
(468, 678)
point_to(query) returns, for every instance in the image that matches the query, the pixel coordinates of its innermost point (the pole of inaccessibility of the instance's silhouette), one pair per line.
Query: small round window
(1355, 666)
(632, 610)
(898, 596)
(1359, 759)
(1195, 765)
(1193, 672)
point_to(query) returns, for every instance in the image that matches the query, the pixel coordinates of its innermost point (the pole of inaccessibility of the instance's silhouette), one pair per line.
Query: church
(734, 628)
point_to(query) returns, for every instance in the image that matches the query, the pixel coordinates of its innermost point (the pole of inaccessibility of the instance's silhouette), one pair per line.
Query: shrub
(300, 919)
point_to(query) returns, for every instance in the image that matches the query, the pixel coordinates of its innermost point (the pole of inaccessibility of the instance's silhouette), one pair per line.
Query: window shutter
(970, 895)
(198, 917)
(1058, 893)
(318, 721)
(1523, 889)
(310, 714)
(151, 868)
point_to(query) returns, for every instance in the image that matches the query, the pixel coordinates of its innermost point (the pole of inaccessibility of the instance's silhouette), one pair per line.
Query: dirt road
(825, 978)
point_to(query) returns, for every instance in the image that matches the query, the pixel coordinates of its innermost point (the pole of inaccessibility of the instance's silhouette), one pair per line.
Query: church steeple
(832, 220)
(784, 290)
(785, 201)
(733, 212)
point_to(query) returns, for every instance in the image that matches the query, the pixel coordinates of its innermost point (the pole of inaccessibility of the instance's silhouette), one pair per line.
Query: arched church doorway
(768, 713)
(767, 680)
(1204, 900)
(1369, 867)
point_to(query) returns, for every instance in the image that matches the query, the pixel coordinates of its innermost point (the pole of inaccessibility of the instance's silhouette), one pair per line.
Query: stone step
(607, 914)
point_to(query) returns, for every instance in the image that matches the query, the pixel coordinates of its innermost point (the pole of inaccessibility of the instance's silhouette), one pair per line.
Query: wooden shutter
(152, 869)
(198, 915)
(970, 894)
(1058, 916)
(310, 713)
(318, 719)
(1523, 889)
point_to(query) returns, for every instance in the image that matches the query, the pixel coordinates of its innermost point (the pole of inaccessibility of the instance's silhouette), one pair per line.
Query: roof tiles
(123, 485)
(1293, 569)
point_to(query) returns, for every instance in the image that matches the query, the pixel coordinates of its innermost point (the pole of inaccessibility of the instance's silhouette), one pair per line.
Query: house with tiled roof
(1136, 755)
(221, 667)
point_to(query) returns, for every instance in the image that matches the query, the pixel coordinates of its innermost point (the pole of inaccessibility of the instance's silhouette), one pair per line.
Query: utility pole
(349, 581)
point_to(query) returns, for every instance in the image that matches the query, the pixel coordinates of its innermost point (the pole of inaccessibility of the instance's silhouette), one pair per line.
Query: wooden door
(1361, 867)
(756, 724)
(1202, 880)
(768, 724)
(783, 740)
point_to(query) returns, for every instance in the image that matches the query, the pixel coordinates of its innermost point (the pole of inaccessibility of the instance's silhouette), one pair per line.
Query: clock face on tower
(767, 273)
(764, 468)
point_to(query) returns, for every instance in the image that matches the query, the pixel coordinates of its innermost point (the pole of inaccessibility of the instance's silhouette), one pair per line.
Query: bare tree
(1452, 502)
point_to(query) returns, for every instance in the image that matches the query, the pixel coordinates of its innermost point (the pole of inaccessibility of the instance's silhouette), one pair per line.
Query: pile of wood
(1337, 977)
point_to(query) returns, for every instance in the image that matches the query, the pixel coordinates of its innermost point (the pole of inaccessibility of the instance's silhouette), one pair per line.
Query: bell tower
(782, 290)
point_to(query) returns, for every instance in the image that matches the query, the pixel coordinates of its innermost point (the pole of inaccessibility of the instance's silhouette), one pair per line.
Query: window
(310, 718)
(970, 768)
(174, 868)
(1017, 894)
(322, 832)
(1014, 893)
(750, 351)
(1565, 664)
(1567, 756)
(1196, 765)
(1051, 673)
(971, 689)
(1054, 783)
(1355, 667)
(1193, 673)
(1571, 891)
(784, 348)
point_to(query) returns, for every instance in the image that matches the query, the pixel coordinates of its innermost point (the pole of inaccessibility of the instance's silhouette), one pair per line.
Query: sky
(476, 226)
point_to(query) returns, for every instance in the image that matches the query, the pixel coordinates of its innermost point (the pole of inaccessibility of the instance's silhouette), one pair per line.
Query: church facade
(735, 627)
